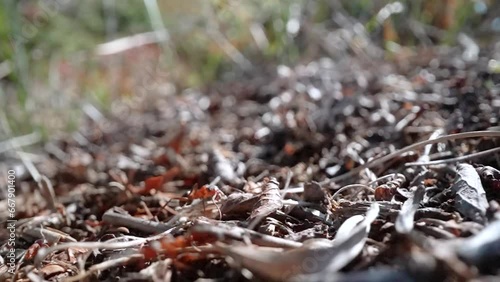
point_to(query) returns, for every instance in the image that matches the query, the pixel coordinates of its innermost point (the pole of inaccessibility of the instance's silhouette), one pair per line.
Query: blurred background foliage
(56, 55)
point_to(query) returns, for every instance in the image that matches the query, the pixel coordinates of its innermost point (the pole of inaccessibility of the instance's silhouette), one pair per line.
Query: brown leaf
(239, 203)
(52, 269)
(269, 201)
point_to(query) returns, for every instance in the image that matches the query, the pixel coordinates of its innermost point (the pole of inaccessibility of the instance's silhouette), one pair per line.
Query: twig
(20, 141)
(50, 190)
(457, 159)
(239, 233)
(293, 190)
(350, 187)
(50, 234)
(388, 176)
(29, 166)
(428, 148)
(261, 176)
(383, 159)
(44, 252)
(112, 216)
(130, 42)
(289, 176)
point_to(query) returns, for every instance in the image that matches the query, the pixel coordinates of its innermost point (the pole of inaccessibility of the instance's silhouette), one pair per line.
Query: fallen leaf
(238, 203)
(50, 270)
(405, 219)
(269, 200)
(470, 197)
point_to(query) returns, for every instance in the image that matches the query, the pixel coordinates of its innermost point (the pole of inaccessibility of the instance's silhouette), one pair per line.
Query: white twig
(43, 252)
(457, 159)
(21, 141)
(130, 42)
(50, 190)
(362, 186)
(29, 166)
(412, 147)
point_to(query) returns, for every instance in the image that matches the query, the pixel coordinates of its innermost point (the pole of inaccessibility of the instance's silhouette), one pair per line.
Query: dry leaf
(238, 203)
(346, 228)
(311, 259)
(405, 219)
(470, 199)
(269, 201)
(52, 269)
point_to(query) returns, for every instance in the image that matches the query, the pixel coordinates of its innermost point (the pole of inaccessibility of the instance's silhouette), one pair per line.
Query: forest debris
(239, 203)
(346, 228)
(488, 172)
(405, 219)
(386, 191)
(111, 245)
(50, 234)
(313, 192)
(158, 271)
(470, 197)
(269, 200)
(225, 232)
(119, 217)
(355, 117)
(350, 244)
(347, 187)
(483, 249)
(104, 266)
(33, 249)
(317, 257)
(151, 183)
(490, 177)
(409, 148)
(348, 208)
(51, 270)
(222, 167)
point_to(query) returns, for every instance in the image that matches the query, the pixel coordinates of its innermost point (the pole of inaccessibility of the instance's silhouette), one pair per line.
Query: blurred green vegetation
(49, 45)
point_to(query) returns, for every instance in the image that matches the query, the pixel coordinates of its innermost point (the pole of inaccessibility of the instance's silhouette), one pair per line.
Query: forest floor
(348, 170)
